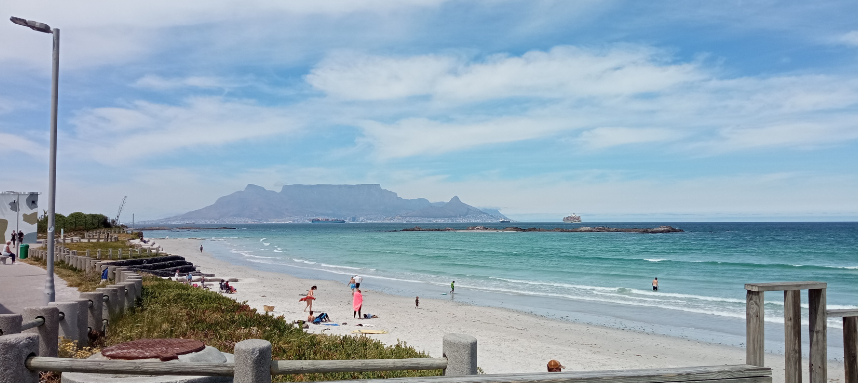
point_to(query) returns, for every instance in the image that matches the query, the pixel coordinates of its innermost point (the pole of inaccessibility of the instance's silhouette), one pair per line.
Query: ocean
(595, 278)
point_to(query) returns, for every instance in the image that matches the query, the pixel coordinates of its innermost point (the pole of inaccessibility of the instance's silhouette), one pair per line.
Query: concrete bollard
(461, 353)
(98, 254)
(82, 321)
(253, 361)
(130, 295)
(94, 314)
(138, 281)
(109, 253)
(14, 351)
(69, 327)
(87, 253)
(10, 324)
(110, 308)
(48, 332)
(111, 270)
(138, 251)
(121, 297)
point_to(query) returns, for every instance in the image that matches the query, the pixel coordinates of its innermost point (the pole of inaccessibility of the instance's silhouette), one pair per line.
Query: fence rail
(279, 367)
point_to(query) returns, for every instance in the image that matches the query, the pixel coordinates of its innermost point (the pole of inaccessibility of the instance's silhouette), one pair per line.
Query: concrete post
(87, 253)
(14, 351)
(110, 307)
(10, 324)
(131, 294)
(82, 321)
(98, 254)
(121, 294)
(48, 332)
(69, 327)
(461, 353)
(138, 282)
(138, 251)
(253, 361)
(111, 273)
(109, 253)
(93, 319)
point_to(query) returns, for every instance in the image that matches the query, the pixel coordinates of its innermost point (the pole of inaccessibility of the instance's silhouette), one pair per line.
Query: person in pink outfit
(357, 302)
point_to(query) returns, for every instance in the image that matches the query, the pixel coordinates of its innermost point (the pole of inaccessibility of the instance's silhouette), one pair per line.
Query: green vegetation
(82, 281)
(74, 221)
(174, 310)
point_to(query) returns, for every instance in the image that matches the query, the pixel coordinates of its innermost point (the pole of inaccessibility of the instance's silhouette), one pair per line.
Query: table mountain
(353, 203)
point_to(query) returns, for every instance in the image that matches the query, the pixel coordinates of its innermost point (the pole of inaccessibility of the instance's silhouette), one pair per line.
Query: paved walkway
(23, 285)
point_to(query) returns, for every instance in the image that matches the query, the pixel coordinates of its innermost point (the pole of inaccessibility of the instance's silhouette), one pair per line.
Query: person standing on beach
(201, 248)
(309, 299)
(357, 303)
(190, 277)
(655, 284)
(417, 302)
(453, 287)
(352, 284)
(358, 280)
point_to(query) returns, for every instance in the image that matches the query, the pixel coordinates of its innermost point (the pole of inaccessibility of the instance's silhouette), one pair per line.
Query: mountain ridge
(353, 203)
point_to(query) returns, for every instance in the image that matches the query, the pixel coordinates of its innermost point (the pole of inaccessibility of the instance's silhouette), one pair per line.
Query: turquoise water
(599, 278)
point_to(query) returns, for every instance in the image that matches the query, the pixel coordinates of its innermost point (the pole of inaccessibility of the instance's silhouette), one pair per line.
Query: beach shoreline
(509, 341)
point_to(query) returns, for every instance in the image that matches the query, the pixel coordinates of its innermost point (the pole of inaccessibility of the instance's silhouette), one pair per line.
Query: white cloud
(600, 138)
(144, 128)
(163, 83)
(850, 38)
(16, 143)
(563, 71)
(420, 136)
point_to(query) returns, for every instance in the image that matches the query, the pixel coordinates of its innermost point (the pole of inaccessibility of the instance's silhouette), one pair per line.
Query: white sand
(508, 341)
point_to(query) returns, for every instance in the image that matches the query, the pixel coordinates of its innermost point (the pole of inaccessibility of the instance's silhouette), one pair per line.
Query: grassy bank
(174, 310)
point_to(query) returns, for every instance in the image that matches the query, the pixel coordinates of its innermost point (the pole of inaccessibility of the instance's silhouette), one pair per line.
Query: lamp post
(50, 294)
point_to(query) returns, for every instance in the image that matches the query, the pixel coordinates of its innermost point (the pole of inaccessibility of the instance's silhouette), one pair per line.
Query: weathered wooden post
(850, 341)
(754, 328)
(818, 335)
(792, 336)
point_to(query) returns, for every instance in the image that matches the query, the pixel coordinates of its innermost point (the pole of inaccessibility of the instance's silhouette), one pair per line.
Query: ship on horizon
(326, 220)
(574, 218)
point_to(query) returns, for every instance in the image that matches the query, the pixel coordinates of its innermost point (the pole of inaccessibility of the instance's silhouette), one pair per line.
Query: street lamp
(50, 294)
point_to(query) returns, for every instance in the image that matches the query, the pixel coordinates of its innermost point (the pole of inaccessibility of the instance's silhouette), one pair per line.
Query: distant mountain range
(352, 203)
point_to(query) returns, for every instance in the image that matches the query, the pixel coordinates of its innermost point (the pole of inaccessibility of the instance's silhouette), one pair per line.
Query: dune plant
(175, 310)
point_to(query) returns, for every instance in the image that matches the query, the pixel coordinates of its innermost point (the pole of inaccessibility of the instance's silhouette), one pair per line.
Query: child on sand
(417, 302)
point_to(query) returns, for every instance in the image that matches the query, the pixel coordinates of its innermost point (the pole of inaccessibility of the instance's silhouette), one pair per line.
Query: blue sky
(615, 110)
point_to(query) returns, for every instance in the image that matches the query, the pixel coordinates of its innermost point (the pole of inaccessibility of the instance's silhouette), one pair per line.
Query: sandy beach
(508, 341)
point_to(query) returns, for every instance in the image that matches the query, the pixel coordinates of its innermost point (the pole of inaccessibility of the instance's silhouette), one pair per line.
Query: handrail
(681, 374)
(278, 367)
(135, 367)
(282, 367)
(33, 323)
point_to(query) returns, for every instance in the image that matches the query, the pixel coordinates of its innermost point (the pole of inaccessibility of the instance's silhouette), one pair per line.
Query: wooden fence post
(818, 333)
(792, 336)
(754, 330)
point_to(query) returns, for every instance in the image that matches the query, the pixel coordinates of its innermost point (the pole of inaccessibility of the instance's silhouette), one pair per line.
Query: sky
(614, 110)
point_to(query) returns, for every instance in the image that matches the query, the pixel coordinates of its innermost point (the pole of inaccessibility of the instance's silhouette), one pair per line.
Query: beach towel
(357, 301)
(369, 332)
